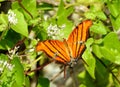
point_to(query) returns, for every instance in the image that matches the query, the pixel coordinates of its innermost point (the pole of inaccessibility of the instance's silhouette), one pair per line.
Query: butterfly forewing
(54, 49)
(78, 37)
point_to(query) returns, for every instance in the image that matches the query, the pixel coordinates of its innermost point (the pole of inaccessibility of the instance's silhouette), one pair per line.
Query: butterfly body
(68, 51)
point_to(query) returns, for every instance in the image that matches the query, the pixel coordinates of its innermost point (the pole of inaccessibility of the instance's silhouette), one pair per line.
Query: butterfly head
(72, 62)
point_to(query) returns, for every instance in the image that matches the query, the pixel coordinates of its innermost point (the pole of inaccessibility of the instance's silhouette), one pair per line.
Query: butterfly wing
(54, 49)
(73, 47)
(77, 38)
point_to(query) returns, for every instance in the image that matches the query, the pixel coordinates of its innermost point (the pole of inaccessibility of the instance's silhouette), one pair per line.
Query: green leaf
(19, 72)
(96, 51)
(68, 24)
(67, 30)
(110, 50)
(68, 11)
(98, 41)
(3, 57)
(101, 15)
(89, 42)
(6, 75)
(43, 82)
(101, 74)
(5, 46)
(63, 13)
(29, 5)
(89, 59)
(112, 19)
(86, 80)
(60, 8)
(96, 48)
(114, 8)
(95, 11)
(112, 41)
(90, 15)
(42, 34)
(27, 81)
(42, 31)
(3, 22)
(21, 26)
(112, 55)
(15, 5)
(45, 6)
(9, 40)
(64, 16)
(115, 22)
(98, 28)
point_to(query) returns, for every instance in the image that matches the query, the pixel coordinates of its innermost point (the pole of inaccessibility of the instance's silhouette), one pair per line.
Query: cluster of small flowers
(54, 31)
(5, 64)
(12, 17)
(13, 52)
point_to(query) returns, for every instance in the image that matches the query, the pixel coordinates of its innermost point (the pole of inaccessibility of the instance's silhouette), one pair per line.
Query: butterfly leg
(56, 75)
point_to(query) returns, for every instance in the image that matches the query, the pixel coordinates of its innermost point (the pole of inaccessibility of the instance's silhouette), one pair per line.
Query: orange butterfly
(67, 52)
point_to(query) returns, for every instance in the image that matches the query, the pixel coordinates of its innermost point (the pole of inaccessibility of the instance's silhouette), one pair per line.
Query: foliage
(28, 21)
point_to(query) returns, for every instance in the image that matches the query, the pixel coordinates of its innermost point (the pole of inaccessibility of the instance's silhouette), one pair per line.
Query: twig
(39, 68)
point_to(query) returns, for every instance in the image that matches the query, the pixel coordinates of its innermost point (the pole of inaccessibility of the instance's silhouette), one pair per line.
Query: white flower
(63, 26)
(12, 52)
(4, 64)
(10, 66)
(46, 16)
(54, 31)
(12, 17)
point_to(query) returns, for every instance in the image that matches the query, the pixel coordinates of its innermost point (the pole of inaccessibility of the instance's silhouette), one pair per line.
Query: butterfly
(67, 52)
